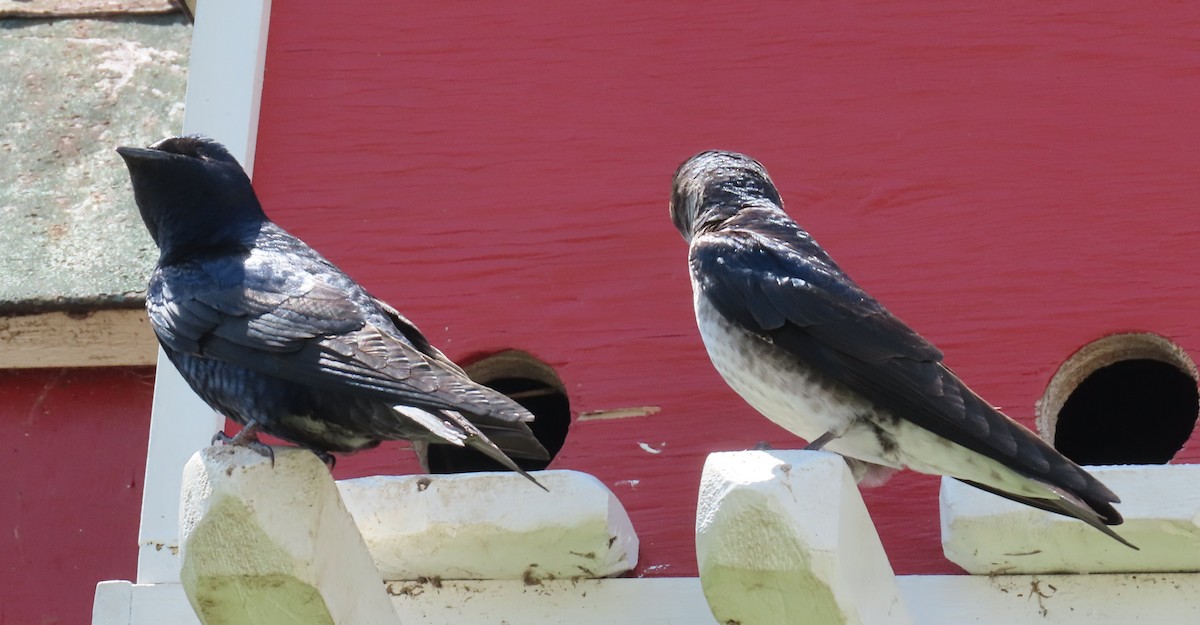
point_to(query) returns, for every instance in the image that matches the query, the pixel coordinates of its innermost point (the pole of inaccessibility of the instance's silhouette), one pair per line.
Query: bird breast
(783, 389)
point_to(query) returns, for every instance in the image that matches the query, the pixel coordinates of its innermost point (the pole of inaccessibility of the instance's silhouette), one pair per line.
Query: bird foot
(326, 457)
(247, 438)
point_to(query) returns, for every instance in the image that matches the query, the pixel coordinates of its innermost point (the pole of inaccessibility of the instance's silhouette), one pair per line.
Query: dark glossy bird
(275, 337)
(803, 344)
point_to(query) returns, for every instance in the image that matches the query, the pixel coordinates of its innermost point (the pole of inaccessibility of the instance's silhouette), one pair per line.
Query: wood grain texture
(1013, 181)
(102, 338)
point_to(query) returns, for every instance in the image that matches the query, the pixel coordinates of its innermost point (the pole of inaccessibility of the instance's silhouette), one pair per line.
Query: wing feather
(306, 322)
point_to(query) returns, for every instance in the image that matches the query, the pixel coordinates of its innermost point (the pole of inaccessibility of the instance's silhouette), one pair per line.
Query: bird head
(713, 186)
(191, 192)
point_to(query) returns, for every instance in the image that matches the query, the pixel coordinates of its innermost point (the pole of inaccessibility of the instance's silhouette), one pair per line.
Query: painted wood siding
(74, 448)
(1013, 181)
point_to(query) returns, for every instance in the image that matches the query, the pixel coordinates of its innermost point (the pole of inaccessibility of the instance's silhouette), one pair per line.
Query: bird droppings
(405, 589)
(423, 483)
(1035, 591)
(650, 450)
(173, 549)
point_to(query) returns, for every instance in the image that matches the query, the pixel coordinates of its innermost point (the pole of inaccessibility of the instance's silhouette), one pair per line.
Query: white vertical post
(229, 44)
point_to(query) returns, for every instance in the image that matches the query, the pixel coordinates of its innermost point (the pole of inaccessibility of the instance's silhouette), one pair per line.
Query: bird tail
(1066, 505)
(452, 428)
(489, 449)
(517, 442)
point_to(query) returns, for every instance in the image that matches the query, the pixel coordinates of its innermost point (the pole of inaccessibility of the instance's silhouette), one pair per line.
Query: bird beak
(134, 155)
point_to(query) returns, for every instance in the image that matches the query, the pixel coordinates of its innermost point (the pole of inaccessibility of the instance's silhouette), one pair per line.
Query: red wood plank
(1012, 179)
(74, 448)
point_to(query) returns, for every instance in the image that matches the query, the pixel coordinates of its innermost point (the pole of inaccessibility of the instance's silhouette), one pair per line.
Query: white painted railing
(782, 537)
(229, 43)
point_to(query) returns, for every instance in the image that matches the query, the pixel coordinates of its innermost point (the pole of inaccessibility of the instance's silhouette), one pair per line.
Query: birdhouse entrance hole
(531, 383)
(1123, 399)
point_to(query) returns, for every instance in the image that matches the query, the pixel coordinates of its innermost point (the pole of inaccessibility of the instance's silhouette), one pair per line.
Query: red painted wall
(1012, 179)
(73, 443)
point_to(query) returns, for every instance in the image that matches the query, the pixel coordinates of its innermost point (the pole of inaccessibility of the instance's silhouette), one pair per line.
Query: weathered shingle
(90, 8)
(70, 91)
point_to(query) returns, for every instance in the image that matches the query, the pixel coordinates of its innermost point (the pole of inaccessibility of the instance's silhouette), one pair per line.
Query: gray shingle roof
(70, 91)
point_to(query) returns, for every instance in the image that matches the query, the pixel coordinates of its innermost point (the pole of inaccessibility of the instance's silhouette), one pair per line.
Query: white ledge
(833, 542)
(492, 526)
(1145, 599)
(987, 534)
(783, 537)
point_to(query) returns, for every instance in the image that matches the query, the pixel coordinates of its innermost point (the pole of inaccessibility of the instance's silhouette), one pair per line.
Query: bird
(807, 347)
(275, 337)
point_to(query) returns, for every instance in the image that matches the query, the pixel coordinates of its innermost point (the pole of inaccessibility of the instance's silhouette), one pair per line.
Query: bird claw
(262, 449)
(326, 457)
(247, 438)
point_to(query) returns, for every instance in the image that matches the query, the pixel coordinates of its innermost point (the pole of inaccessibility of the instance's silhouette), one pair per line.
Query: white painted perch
(986, 534)
(783, 537)
(780, 535)
(492, 526)
(268, 543)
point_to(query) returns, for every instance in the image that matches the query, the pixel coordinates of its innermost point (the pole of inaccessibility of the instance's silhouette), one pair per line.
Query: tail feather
(451, 427)
(517, 443)
(437, 424)
(1066, 505)
(489, 449)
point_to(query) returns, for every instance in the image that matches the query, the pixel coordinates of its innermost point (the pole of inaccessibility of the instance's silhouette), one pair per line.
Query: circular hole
(531, 383)
(1123, 399)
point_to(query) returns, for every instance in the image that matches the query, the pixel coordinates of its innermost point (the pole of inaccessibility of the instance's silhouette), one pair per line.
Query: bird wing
(764, 273)
(306, 322)
(414, 336)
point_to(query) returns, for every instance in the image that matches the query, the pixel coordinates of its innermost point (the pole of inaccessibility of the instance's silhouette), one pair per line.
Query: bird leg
(247, 438)
(821, 440)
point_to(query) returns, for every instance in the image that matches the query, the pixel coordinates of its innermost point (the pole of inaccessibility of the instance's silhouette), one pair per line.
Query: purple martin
(804, 345)
(275, 337)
